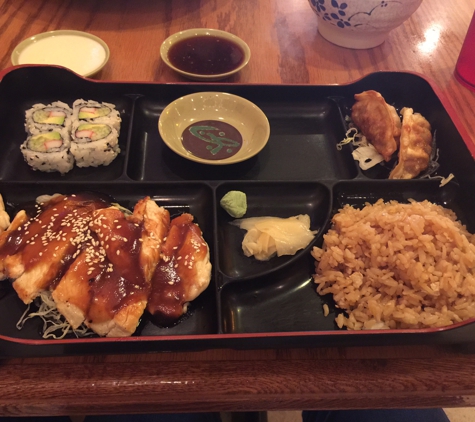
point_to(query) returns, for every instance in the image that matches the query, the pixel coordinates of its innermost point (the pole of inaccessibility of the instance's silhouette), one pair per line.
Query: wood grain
(239, 380)
(286, 49)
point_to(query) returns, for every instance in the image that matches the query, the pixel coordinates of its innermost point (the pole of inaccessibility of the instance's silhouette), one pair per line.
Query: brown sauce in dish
(206, 55)
(211, 140)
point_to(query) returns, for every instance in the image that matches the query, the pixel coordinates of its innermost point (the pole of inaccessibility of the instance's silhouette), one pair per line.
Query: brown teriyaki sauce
(102, 246)
(177, 272)
(206, 55)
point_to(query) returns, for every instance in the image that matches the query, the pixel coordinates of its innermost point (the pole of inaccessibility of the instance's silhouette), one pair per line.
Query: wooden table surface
(286, 49)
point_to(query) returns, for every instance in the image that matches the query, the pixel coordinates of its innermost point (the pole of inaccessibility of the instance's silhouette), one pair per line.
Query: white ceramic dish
(248, 119)
(204, 32)
(79, 51)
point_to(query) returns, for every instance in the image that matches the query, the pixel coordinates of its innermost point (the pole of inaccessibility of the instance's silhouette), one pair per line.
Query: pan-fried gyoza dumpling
(377, 121)
(415, 146)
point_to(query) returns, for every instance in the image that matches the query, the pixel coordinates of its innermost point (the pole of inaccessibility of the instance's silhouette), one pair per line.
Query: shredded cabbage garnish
(446, 180)
(43, 199)
(124, 210)
(367, 156)
(53, 321)
(353, 137)
(365, 153)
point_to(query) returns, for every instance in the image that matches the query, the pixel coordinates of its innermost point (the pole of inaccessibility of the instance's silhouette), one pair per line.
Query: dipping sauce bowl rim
(199, 32)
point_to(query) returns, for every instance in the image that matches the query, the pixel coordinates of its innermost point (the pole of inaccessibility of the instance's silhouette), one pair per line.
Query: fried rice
(394, 265)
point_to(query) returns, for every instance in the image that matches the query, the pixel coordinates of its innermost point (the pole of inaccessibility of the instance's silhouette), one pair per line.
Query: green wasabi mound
(234, 203)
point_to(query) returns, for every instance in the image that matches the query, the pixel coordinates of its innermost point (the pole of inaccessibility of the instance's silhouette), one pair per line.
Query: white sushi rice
(88, 153)
(56, 159)
(31, 126)
(112, 119)
(83, 151)
(94, 154)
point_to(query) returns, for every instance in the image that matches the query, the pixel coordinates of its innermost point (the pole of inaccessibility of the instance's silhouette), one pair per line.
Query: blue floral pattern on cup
(334, 12)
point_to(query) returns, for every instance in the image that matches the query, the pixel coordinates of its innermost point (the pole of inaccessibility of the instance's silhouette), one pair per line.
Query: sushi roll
(95, 112)
(52, 116)
(59, 135)
(48, 151)
(94, 144)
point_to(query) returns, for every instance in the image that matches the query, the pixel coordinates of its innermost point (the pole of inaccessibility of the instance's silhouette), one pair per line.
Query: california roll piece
(43, 117)
(48, 151)
(94, 144)
(95, 112)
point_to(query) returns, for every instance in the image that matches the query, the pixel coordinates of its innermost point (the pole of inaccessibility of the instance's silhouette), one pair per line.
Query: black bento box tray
(249, 304)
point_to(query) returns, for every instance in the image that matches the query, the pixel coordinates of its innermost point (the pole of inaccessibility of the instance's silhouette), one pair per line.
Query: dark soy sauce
(206, 55)
(212, 139)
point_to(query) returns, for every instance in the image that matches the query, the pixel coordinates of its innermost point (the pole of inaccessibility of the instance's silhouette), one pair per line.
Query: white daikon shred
(446, 180)
(367, 156)
(54, 324)
(351, 137)
(269, 236)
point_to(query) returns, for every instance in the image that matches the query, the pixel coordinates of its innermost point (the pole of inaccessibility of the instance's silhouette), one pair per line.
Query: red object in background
(465, 67)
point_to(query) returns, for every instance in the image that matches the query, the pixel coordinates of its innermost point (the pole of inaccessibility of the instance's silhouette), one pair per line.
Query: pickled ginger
(269, 236)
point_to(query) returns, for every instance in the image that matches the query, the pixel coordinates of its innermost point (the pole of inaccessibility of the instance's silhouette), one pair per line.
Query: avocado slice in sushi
(92, 131)
(45, 142)
(93, 112)
(50, 117)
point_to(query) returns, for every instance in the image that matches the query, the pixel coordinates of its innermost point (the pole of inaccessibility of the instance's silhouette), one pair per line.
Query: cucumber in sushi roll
(48, 151)
(95, 112)
(94, 144)
(43, 117)
(92, 132)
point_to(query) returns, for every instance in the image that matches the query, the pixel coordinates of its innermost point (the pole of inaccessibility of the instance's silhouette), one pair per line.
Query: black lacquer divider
(20, 90)
(302, 144)
(195, 198)
(249, 303)
(276, 295)
(264, 199)
(451, 195)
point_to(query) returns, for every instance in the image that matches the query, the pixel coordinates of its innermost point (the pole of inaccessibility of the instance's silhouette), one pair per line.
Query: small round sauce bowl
(203, 54)
(79, 51)
(214, 128)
